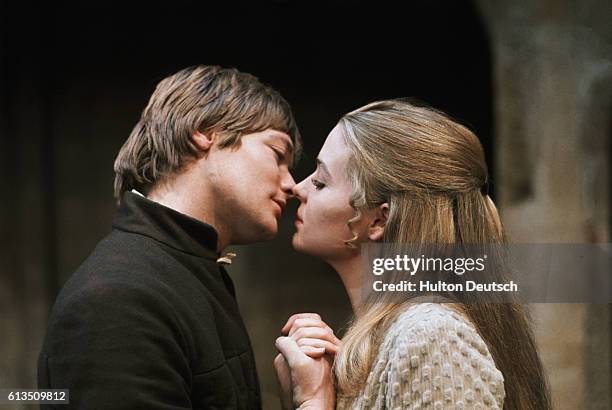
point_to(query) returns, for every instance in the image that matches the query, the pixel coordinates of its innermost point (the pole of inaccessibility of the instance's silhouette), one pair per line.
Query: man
(149, 321)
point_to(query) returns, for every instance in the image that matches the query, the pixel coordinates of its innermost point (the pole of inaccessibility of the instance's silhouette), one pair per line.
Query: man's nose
(287, 183)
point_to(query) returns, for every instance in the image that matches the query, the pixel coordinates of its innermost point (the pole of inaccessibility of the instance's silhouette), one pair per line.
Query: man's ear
(203, 141)
(376, 230)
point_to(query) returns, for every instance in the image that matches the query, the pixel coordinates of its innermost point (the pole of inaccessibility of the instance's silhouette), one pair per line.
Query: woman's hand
(312, 334)
(304, 366)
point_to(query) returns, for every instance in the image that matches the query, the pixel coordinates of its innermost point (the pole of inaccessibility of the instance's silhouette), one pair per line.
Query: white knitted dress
(431, 358)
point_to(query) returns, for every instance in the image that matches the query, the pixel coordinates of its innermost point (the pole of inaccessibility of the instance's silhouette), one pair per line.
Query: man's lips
(281, 204)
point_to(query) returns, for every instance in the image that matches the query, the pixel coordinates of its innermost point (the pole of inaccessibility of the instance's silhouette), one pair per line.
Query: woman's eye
(317, 184)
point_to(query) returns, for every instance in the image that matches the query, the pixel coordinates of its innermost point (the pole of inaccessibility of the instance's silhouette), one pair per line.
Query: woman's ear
(376, 229)
(203, 141)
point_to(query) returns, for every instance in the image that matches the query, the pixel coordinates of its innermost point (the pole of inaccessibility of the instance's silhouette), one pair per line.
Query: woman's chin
(296, 242)
(299, 245)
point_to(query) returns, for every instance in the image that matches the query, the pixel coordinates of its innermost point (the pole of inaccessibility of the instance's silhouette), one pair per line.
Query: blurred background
(532, 79)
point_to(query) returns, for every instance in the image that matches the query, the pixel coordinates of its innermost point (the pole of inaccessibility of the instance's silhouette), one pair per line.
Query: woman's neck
(349, 271)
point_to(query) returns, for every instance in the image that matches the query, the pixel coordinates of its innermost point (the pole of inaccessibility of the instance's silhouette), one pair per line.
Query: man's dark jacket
(150, 321)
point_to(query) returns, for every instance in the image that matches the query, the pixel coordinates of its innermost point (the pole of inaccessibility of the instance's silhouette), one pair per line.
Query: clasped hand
(304, 364)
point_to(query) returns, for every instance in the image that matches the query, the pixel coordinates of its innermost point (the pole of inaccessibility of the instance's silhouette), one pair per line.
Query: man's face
(251, 184)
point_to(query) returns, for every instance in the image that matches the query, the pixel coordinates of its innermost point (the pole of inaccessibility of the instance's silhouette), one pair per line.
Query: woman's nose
(299, 190)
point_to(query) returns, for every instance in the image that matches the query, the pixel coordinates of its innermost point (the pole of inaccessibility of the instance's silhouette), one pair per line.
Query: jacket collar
(140, 215)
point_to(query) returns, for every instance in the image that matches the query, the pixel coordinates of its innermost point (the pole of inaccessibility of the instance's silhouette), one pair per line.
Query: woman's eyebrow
(323, 168)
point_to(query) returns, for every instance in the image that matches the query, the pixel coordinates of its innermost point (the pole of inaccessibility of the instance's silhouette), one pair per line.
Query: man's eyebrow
(323, 168)
(288, 146)
(286, 142)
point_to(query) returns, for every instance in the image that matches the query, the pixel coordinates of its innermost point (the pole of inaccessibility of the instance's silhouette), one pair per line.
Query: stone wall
(553, 109)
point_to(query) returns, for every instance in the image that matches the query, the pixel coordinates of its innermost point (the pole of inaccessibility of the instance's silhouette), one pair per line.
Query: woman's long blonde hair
(430, 170)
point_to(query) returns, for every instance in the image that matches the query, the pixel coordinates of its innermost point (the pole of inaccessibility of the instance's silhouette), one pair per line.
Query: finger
(290, 350)
(285, 329)
(307, 322)
(316, 333)
(312, 351)
(328, 347)
(279, 361)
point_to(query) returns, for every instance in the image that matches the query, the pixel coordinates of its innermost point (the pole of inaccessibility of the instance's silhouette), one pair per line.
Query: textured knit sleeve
(437, 360)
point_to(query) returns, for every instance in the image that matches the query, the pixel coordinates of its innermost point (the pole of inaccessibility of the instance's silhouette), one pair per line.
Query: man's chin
(269, 235)
(267, 232)
(257, 233)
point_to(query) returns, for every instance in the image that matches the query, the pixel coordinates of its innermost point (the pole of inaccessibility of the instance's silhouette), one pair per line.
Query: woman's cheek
(336, 216)
(325, 209)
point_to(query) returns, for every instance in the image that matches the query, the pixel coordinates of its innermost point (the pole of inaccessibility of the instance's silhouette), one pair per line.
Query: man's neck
(189, 197)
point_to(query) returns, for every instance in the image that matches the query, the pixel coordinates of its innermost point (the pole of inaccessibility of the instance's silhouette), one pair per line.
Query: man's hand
(311, 378)
(283, 377)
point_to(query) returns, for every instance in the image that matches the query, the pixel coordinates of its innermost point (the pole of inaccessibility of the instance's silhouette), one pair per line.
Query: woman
(394, 172)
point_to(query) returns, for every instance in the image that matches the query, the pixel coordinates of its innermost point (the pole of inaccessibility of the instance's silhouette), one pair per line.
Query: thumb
(290, 350)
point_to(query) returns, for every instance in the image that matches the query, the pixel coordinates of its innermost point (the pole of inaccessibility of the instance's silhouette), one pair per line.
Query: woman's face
(324, 211)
